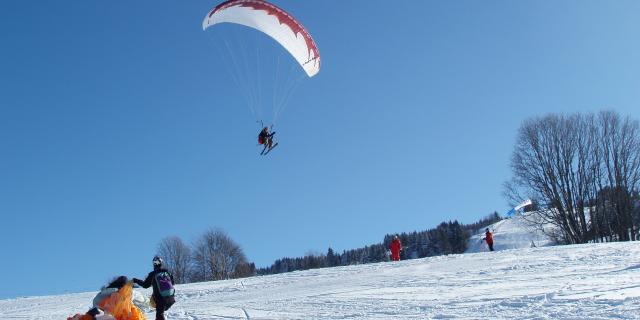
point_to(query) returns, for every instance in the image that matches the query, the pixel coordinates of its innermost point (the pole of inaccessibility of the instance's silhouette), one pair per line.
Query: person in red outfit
(396, 247)
(488, 237)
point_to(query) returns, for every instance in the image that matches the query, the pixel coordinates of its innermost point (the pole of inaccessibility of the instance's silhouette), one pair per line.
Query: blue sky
(119, 125)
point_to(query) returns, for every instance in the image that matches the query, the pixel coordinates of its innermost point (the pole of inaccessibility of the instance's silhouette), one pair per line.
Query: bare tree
(217, 257)
(619, 157)
(585, 169)
(177, 257)
(551, 162)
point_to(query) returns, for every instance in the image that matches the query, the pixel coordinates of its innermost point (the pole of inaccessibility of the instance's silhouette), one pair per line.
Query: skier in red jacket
(396, 247)
(488, 237)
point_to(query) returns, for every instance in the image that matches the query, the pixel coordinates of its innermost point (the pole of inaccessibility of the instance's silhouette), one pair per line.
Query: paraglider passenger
(163, 292)
(266, 138)
(488, 237)
(396, 247)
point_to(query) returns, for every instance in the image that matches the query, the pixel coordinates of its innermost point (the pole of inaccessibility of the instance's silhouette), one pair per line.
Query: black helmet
(157, 261)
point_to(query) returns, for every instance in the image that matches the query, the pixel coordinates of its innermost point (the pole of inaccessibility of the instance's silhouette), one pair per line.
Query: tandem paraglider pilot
(266, 138)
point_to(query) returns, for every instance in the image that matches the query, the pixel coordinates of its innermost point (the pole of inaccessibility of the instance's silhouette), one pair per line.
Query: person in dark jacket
(163, 292)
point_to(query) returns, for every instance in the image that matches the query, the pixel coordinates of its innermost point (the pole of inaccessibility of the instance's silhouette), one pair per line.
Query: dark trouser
(162, 305)
(160, 309)
(490, 246)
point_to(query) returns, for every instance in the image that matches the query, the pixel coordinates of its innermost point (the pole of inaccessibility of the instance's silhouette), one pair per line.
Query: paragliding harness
(166, 291)
(267, 140)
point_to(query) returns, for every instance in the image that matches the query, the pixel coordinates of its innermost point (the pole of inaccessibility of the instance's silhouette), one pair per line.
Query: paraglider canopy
(273, 21)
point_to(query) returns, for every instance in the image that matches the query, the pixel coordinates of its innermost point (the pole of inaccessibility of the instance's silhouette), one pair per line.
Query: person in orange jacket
(396, 247)
(488, 237)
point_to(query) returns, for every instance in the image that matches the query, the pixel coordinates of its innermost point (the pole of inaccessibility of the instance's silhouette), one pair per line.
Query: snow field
(592, 281)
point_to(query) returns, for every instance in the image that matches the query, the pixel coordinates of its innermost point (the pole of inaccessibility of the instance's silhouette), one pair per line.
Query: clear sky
(119, 126)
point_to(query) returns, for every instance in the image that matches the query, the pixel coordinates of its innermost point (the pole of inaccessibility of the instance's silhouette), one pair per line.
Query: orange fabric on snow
(120, 305)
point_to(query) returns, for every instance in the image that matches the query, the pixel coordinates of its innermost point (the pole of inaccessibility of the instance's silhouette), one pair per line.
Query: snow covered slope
(512, 233)
(592, 281)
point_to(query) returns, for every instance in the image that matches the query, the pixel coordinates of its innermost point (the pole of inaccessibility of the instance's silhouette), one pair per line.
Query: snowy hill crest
(512, 233)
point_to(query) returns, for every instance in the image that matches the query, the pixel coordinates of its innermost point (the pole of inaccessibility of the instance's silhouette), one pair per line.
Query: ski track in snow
(591, 281)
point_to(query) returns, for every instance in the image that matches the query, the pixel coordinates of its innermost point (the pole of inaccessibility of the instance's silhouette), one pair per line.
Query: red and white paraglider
(274, 22)
(289, 34)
